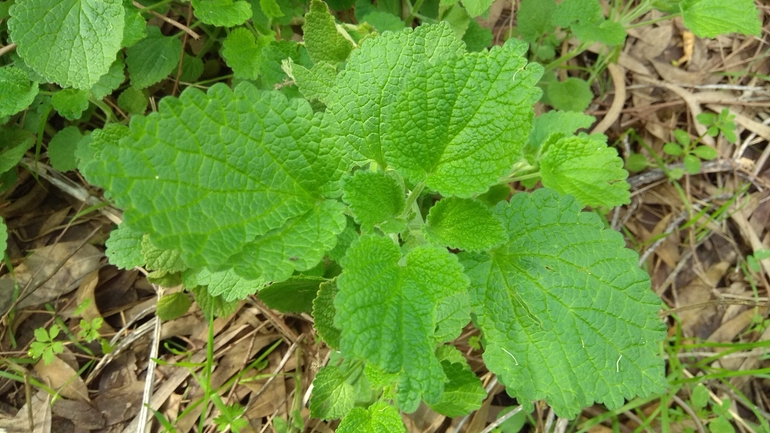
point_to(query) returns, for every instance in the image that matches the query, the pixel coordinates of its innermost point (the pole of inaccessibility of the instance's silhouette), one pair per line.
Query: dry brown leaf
(652, 42)
(41, 416)
(672, 74)
(60, 376)
(53, 270)
(120, 404)
(85, 294)
(730, 329)
(700, 322)
(82, 414)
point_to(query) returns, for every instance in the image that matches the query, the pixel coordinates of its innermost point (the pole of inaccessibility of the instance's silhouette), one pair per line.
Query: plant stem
(413, 196)
(565, 58)
(519, 178)
(413, 10)
(653, 21)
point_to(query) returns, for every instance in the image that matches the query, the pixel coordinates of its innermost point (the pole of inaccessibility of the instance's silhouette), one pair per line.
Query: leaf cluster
(363, 176)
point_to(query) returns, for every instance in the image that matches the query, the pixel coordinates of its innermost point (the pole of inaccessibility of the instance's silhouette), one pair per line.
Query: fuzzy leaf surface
(313, 83)
(124, 247)
(456, 96)
(586, 168)
(110, 81)
(323, 40)
(374, 197)
(324, 312)
(223, 13)
(333, 396)
(378, 418)
(71, 103)
(294, 295)
(152, 58)
(16, 91)
(464, 224)
(572, 11)
(69, 42)
(709, 18)
(566, 313)
(565, 122)
(226, 285)
(241, 52)
(534, 18)
(463, 392)
(61, 149)
(386, 312)
(228, 174)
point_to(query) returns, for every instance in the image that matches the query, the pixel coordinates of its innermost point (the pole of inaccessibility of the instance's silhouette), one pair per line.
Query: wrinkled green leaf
(69, 42)
(223, 13)
(61, 149)
(71, 103)
(333, 396)
(464, 224)
(152, 58)
(462, 155)
(255, 212)
(322, 38)
(534, 18)
(565, 293)
(16, 91)
(374, 197)
(324, 312)
(586, 168)
(378, 418)
(294, 295)
(386, 316)
(124, 247)
(709, 18)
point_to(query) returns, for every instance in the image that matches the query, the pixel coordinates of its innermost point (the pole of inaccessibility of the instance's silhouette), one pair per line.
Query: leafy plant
(361, 175)
(45, 346)
(690, 152)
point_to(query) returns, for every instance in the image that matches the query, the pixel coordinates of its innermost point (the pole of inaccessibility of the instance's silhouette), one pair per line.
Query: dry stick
(619, 79)
(149, 380)
(690, 412)
(714, 303)
(673, 225)
(549, 420)
(174, 23)
(279, 367)
(751, 353)
(490, 386)
(181, 58)
(692, 103)
(7, 49)
(71, 188)
(718, 400)
(502, 419)
(124, 343)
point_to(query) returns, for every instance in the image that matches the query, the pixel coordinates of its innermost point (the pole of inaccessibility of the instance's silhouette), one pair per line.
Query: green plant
(282, 214)
(690, 152)
(361, 175)
(45, 346)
